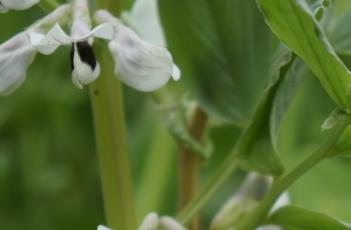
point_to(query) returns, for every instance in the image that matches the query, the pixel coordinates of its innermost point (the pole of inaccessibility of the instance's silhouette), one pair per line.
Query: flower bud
(251, 192)
(16, 55)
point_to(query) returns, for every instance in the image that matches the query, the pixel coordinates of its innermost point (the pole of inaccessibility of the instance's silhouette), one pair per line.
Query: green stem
(114, 6)
(281, 184)
(48, 5)
(155, 177)
(210, 189)
(111, 137)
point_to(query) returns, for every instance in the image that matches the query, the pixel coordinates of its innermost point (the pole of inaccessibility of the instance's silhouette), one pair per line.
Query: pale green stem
(210, 189)
(111, 137)
(281, 184)
(155, 177)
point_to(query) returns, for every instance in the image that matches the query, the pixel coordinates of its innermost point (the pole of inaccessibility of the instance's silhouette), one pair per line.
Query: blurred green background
(48, 167)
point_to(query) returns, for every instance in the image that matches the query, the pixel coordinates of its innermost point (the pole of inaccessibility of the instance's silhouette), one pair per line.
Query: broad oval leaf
(294, 24)
(223, 48)
(296, 218)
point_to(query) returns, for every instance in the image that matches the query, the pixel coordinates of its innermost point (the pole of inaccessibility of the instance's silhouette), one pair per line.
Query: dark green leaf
(295, 218)
(223, 48)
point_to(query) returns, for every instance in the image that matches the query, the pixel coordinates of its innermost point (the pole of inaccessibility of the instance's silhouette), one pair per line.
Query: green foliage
(295, 218)
(223, 49)
(255, 147)
(269, 107)
(284, 96)
(293, 22)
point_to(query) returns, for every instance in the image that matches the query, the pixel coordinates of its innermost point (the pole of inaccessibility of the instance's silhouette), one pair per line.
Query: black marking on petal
(71, 55)
(86, 54)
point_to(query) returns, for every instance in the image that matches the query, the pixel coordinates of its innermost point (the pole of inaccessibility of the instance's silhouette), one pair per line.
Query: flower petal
(48, 43)
(169, 223)
(176, 73)
(3, 9)
(140, 65)
(269, 227)
(58, 34)
(15, 56)
(101, 227)
(85, 69)
(44, 44)
(18, 4)
(104, 31)
(150, 222)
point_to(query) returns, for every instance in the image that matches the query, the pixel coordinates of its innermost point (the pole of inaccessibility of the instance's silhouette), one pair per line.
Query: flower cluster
(138, 64)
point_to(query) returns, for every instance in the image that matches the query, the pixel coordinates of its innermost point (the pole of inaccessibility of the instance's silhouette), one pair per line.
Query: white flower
(15, 56)
(18, 53)
(138, 64)
(153, 222)
(5, 5)
(85, 68)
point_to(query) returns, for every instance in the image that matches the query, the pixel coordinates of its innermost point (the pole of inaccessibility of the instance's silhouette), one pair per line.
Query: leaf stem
(48, 5)
(188, 162)
(281, 184)
(111, 138)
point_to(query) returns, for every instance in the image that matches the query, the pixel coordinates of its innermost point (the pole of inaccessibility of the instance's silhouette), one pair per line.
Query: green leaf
(255, 146)
(284, 95)
(294, 24)
(338, 27)
(223, 48)
(296, 218)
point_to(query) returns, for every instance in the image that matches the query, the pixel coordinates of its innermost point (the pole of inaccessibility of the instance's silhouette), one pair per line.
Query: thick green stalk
(281, 184)
(111, 137)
